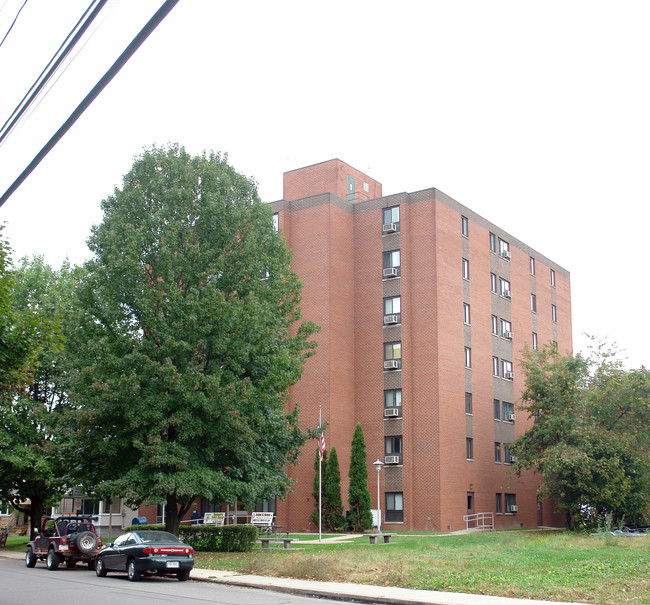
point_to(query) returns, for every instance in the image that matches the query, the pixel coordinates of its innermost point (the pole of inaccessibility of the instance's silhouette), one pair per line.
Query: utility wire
(37, 86)
(144, 33)
(13, 22)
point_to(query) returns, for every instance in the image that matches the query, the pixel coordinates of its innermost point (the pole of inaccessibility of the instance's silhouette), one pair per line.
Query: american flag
(321, 440)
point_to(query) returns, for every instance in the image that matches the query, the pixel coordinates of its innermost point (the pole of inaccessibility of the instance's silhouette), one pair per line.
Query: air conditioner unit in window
(389, 228)
(505, 293)
(391, 364)
(391, 460)
(391, 319)
(513, 508)
(388, 412)
(511, 417)
(509, 375)
(390, 272)
(505, 254)
(513, 458)
(509, 335)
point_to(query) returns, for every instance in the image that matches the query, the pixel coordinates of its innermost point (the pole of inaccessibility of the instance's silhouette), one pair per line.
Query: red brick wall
(328, 177)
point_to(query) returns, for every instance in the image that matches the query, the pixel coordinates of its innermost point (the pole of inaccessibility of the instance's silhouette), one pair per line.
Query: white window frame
(506, 326)
(465, 269)
(533, 302)
(464, 226)
(554, 313)
(493, 283)
(466, 314)
(468, 357)
(495, 325)
(553, 278)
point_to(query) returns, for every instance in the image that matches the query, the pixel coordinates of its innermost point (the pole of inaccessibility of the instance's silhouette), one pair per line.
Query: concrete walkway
(340, 591)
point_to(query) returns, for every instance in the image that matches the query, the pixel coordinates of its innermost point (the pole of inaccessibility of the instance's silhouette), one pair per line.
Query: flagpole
(320, 479)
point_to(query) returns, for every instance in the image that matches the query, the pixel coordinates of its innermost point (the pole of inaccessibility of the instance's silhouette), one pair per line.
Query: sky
(535, 115)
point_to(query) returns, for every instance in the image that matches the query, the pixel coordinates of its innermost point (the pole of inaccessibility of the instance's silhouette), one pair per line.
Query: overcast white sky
(536, 115)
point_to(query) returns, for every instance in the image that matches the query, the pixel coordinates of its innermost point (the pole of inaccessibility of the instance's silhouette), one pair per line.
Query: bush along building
(424, 308)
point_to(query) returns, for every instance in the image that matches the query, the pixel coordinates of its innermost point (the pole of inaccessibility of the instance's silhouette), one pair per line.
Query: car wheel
(30, 558)
(134, 574)
(52, 560)
(86, 542)
(91, 564)
(100, 568)
(183, 575)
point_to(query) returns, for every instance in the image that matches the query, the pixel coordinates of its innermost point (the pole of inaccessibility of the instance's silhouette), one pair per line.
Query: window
(497, 409)
(506, 369)
(465, 269)
(511, 503)
(468, 357)
(506, 329)
(470, 502)
(393, 400)
(352, 188)
(276, 222)
(390, 216)
(533, 303)
(468, 403)
(497, 452)
(5, 509)
(495, 325)
(469, 448)
(392, 264)
(466, 313)
(497, 507)
(504, 287)
(394, 507)
(532, 266)
(504, 248)
(464, 226)
(89, 507)
(553, 312)
(493, 283)
(495, 366)
(393, 447)
(534, 341)
(493, 242)
(508, 410)
(552, 278)
(392, 310)
(392, 353)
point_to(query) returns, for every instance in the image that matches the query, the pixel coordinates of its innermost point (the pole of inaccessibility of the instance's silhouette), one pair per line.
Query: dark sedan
(147, 552)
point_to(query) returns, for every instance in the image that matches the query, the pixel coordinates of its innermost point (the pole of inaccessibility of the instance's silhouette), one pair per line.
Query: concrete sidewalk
(341, 591)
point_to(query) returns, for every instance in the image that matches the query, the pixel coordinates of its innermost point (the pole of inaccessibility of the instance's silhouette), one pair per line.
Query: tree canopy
(187, 340)
(30, 468)
(591, 434)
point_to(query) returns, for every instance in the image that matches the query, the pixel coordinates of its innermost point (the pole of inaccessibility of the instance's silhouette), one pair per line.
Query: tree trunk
(172, 520)
(35, 516)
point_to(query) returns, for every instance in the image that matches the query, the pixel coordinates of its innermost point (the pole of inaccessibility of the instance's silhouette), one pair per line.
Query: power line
(144, 33)
(37, 86)
(13, 22)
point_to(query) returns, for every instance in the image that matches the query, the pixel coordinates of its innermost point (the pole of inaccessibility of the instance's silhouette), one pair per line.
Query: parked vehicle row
(70, 539)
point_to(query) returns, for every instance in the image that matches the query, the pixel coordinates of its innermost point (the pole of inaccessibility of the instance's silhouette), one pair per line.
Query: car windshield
(150, 537)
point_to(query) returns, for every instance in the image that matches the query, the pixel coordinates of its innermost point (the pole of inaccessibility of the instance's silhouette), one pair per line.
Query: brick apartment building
(424, 308)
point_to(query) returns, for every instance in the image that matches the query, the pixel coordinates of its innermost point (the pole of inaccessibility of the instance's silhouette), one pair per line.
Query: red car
(65, 539)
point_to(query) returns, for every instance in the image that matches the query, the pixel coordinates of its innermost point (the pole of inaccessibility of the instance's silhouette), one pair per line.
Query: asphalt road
(39, 586)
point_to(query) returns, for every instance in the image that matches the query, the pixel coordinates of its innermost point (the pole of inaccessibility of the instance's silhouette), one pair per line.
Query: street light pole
(378, 464)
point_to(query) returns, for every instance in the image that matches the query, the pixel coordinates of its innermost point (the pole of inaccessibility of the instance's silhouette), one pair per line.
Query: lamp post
(378, 464)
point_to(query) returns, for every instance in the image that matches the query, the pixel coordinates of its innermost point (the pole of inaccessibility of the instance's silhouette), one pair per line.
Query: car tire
(100, 568)
(52, 560)
(91, 564)
(30, 558)
(86, 542)
(133, 573)
(183, 575)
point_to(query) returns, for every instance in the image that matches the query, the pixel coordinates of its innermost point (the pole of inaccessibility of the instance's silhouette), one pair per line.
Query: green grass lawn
(536, 565)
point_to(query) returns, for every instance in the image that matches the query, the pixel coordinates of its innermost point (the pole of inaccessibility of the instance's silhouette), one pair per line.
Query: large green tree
(591, 437)
(358, 493)
(188, 339)
(31, 471)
